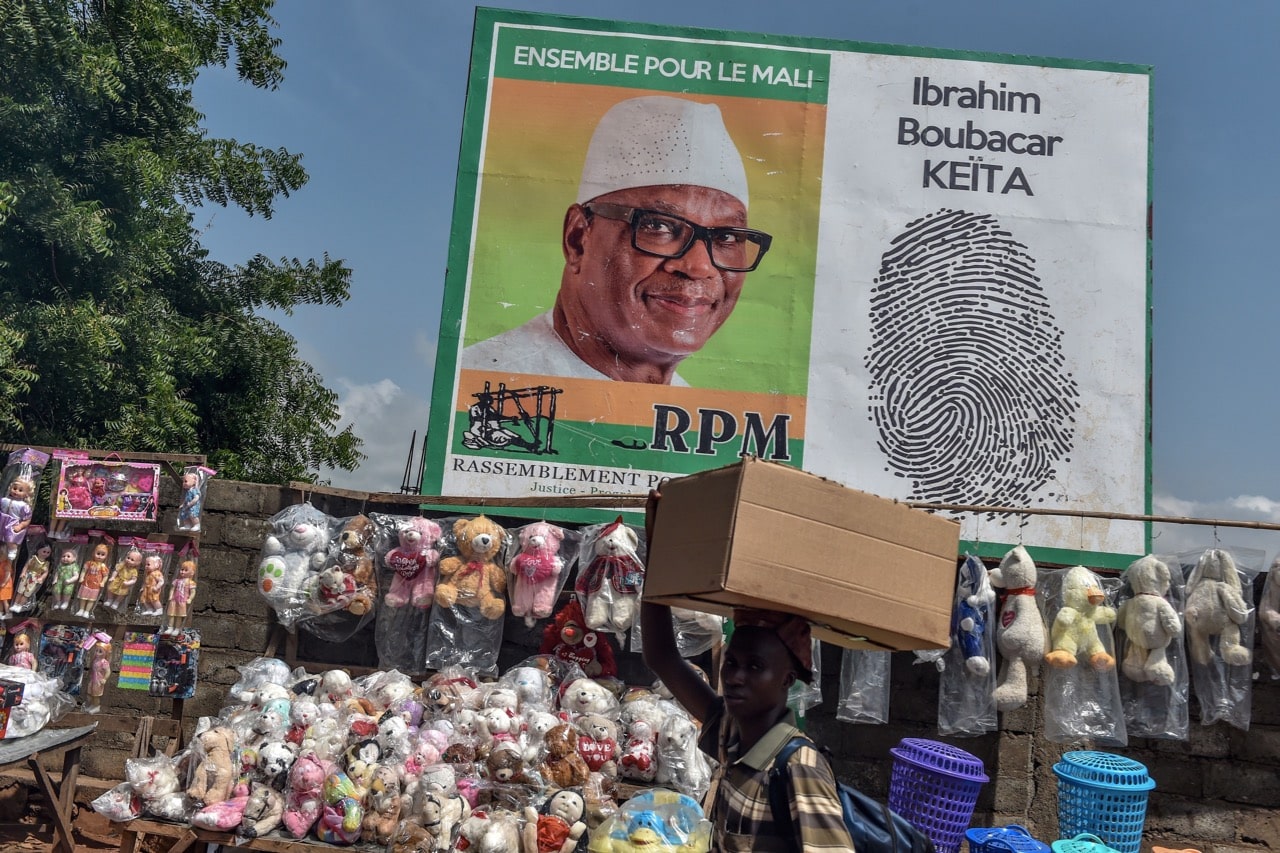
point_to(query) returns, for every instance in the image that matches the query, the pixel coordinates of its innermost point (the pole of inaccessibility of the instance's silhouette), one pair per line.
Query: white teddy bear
(293, 553)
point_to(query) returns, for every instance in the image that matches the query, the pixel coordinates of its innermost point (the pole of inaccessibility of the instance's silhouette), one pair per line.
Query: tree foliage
(116, 328)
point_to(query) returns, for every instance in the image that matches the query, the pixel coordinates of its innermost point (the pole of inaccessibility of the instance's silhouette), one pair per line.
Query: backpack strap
(778, 804)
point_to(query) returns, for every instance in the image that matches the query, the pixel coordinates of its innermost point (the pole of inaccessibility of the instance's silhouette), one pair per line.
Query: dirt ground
(93, 832)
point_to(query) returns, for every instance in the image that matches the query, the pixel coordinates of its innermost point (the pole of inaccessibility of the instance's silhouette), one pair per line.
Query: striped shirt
(740, 812)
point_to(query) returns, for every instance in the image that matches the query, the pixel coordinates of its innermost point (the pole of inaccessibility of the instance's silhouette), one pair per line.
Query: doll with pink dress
(21, 655)
(99, 671)
(181, 591)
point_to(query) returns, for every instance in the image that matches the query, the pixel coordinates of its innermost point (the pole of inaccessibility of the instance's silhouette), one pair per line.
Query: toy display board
(124, 491)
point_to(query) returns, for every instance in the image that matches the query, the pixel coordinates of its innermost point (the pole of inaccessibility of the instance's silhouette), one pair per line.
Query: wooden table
(60, 794)
(186, 836)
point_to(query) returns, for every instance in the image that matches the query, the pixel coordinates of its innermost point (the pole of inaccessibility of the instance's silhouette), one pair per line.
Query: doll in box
(93, 574)
(124, 577)
(33, 576)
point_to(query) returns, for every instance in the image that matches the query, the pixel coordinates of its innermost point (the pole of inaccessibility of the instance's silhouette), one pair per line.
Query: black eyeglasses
(667, 236)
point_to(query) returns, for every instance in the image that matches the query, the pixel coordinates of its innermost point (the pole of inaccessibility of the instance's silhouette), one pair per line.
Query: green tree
(116, 329)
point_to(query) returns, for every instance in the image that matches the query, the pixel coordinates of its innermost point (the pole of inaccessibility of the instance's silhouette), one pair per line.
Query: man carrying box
(749, 725)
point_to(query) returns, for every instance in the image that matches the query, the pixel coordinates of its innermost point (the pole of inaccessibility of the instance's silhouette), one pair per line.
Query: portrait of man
(657, 247)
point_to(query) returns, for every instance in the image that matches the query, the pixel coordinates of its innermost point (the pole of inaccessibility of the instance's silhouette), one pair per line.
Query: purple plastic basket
(935, 786)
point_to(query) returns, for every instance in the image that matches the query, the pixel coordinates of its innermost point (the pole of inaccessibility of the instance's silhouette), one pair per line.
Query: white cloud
(1175, 538)
(385, 416)
(426, 350)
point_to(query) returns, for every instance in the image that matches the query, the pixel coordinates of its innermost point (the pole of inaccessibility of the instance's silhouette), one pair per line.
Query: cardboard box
(10, 693)
(869, 573)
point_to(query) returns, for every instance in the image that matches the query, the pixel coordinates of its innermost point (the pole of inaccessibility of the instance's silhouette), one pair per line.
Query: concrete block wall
(1219, 791)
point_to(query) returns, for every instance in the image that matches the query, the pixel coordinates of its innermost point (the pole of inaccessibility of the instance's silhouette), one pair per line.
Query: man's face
(755, 674)
(641, 307)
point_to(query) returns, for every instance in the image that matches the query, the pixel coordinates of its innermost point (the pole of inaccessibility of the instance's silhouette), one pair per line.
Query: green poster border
(464, 211)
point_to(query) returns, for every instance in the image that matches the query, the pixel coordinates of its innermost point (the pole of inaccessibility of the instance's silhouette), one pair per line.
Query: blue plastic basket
(1105, 795)
(935, 786)
(1003, 839)
(1082, 843)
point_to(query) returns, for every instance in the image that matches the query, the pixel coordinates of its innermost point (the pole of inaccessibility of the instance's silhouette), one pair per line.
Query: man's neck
(751, 731)
(596, 354)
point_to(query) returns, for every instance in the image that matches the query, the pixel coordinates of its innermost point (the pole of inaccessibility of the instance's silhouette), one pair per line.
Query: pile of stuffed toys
(533, 762)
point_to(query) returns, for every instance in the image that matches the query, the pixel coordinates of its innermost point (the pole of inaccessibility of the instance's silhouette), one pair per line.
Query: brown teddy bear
(215, 774)
(382, 804)
(356, 561)
(475, 579)
(564, 767)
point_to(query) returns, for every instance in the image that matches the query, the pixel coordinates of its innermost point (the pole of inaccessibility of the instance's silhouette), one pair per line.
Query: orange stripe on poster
(626, 403)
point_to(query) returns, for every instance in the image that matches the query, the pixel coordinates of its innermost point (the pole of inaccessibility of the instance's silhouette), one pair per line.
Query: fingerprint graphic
(968, 387)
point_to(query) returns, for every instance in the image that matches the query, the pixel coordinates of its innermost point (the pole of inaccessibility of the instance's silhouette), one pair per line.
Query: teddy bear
(1216, 607)
(492, 832)
(1149, 622)
(304, 801)
(534, 736)
(341, 816)
(557, 827)
(531, 686)
(568, 639)
(563, 765)
(263, 811)
(474, 579)
(382, 806)
(609, 587)
(414, 563)
(440, 814)
(504, 765)
(535, 571)
(587, 696)
(214, 775)
(1269, 617)
(1020, 635)
(1075, 628)
(639, 754)
(598, 743)
(680, 763)
(412, 837)
(355, 559)
(275, 759)
(292, 553)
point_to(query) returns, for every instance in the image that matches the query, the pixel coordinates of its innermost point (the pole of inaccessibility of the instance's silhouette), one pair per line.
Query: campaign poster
(921, 273)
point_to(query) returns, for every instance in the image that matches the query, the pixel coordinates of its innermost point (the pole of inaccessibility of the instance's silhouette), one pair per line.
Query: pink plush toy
(304, 803)
(609, 587)
(414, 563)
(536, 571)
(221, 817)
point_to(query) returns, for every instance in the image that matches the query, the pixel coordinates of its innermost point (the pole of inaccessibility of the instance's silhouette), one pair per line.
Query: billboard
(922, 273)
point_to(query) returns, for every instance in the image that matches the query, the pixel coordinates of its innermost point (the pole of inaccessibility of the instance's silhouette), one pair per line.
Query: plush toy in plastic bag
(43, 701)
(610, 576)
(681, 765)
(470, 598)
(557, 826)
(864, 687)
(155, 781)
(1269, 619)
(567, 639)
(967, 680)
(1081, 689)
(120, 804)
(538, 569)
(406, 547)
(696, 632)
(656, 821)
(343, 594)
(292, 556)
(1219, 628)
(1149, 646)
(804, 695)
(1020, 633)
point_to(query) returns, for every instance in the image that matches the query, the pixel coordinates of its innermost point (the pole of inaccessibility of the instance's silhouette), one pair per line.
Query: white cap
(658, 140)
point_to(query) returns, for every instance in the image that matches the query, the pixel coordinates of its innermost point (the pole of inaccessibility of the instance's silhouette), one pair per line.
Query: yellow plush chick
(1075, 628)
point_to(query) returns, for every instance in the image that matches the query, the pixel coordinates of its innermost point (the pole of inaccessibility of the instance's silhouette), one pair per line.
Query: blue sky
(373, 99)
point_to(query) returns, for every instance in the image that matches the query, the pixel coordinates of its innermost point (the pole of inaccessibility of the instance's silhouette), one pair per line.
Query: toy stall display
(1020, 634)
(966, 688)
(1081, 689)
(406, 548)
(1154, 687)
(19, 485)
(470, 596)
(611, 576)
(864, 687)
(1219, 628)
(34, 572)
(195, 483)
(1269, 619)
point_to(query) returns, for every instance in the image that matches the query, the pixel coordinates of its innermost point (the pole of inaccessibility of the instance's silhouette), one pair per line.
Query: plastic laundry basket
(1003, 839)
(1082, 843)
(1105, 795)
(935, 786)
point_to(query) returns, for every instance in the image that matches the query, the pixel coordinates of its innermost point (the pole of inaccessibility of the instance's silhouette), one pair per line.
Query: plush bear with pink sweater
(535, 571)
(414, 562)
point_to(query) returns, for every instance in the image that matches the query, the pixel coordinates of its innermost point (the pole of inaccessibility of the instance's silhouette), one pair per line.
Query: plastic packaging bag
(69, 553)
(696, 632)
(156, 557)
(120, 804)
(43, 701)
(1081, 688)
(1269, 620)
(407, 551)
(34, 572)
(195, 483)
(674, 821)
(124, 576)
(342, 596)
(610, 576)
(966, 690)
(539, 569)
(805, 695)
(1153, 665)
(292, 555)
(93, 573)
(19, 485)
(864, 687)
(470, 597)
(1219, 620)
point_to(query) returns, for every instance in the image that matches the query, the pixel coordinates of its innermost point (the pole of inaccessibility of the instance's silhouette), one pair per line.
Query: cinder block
(1239, 782)
(234, 496)
(1198, 819)
(1260, 743)
(1258, 826)
(245, 532)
